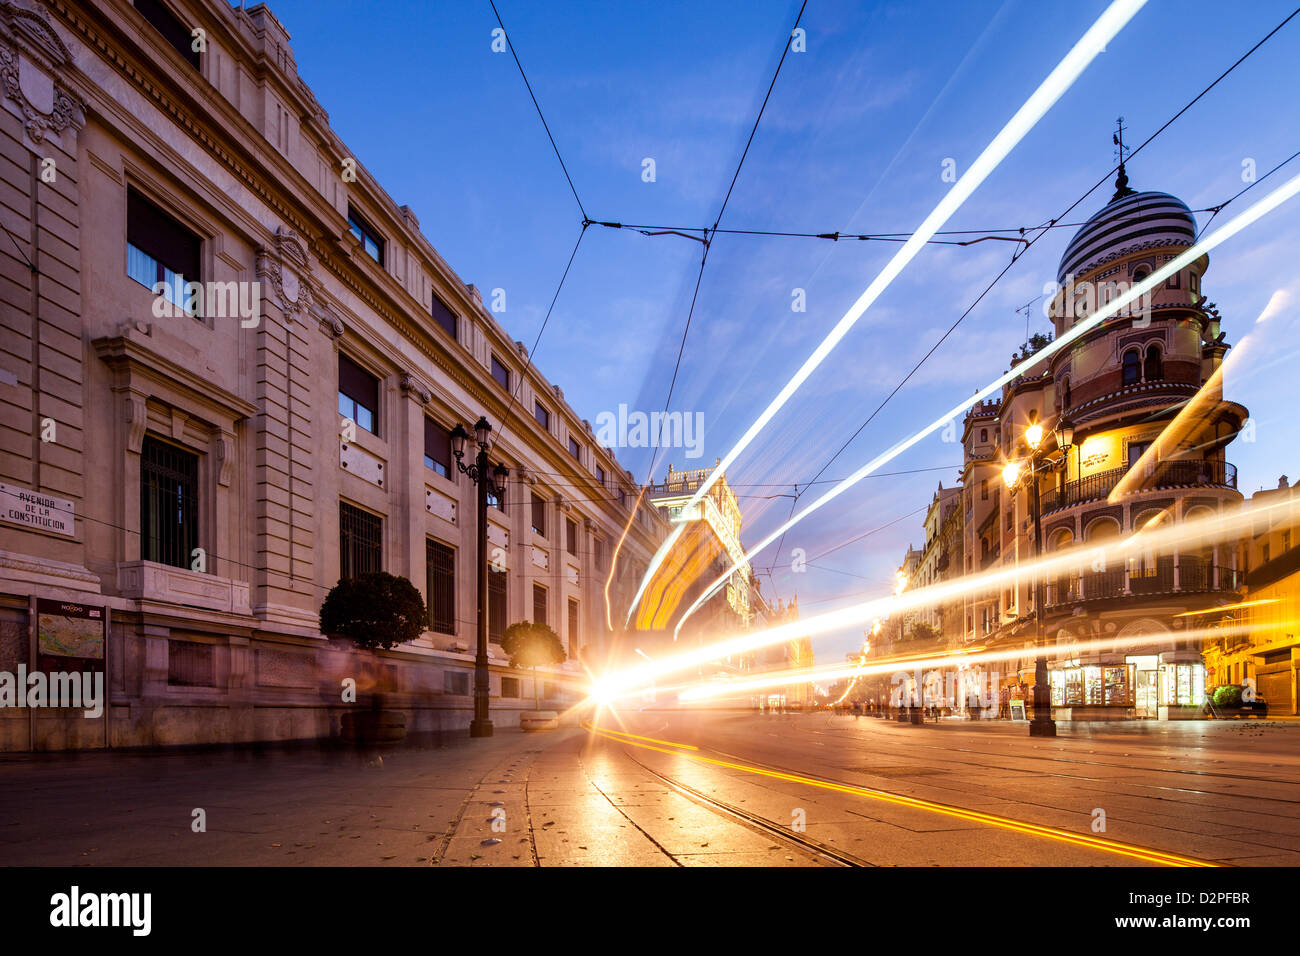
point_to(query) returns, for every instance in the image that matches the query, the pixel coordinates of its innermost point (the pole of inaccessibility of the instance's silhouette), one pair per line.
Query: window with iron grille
(455, 682)
(358, 395)
(539, 604)
(172, 29)
(190, 664)
(437, 448)
(160, 249)
(361, 537)
(440, 581)
(571, 536)
(539, 515)
(574, 617)
(510, 687)
(444, 316)
(169, 525)
(496, 605)
(371, 241)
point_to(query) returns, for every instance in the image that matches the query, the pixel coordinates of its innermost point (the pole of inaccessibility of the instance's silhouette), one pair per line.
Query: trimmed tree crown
(532, 645)
(374, 610)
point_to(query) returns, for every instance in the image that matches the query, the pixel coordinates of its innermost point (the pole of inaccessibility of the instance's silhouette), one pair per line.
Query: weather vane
(1121, 151)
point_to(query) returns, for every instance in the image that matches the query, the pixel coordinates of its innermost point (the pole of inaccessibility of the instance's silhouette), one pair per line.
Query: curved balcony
(1190, 574)
(1166, 474)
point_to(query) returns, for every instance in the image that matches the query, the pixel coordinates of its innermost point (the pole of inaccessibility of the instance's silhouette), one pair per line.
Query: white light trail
(940, 661)
(1212, 527)
(1093, 42)
(1266, 205)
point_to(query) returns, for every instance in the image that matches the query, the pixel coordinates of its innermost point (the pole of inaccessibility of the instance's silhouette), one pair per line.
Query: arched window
(1155, 368)
(1060, 539)
(1132, 367)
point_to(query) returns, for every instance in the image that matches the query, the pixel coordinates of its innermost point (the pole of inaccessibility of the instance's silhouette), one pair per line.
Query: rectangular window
(500, 373)
(190, 664)
(440, 585)
(496, 501)
(622, 498)
(455, 682)
(160, 249)
(574, 617)
(496, 604)
(371, 241)
(169, 526)
(571, 536)
(600, 555)
(361, 537)
(1135, 452)
(575, 450)
(539, 515)
(984, 489)
(172, 29)
(444, 316)
(358, 395)
(510, 687)
(600, 474)
(437, 448)
(542, 415)
(539, 604)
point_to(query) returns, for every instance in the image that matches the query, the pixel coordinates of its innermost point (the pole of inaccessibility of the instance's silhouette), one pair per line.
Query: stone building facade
(205, 470)
(1150, 428)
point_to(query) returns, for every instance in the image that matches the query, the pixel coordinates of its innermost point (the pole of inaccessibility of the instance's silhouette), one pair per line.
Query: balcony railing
(1165, 474)
(1191, 574)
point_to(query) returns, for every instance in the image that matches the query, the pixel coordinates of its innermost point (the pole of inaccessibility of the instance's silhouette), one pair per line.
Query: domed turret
(1130, 221)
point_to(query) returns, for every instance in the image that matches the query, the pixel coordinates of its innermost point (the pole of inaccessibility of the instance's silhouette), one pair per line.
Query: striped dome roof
(1127, 222)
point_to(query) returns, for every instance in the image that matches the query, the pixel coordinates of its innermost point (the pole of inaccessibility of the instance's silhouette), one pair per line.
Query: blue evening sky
(854, 140)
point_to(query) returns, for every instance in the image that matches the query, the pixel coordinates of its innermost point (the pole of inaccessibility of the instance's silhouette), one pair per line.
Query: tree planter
(532, 721)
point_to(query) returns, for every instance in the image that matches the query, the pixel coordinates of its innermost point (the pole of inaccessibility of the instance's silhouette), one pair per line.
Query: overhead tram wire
(537, 106)
(704, 256)
(514, 394)
(1054, 223)
(1041, 232)
(1084, 51)
(707, 240)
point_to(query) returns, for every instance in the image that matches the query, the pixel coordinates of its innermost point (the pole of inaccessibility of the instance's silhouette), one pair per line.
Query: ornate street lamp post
(1042, 724)
(484, 480)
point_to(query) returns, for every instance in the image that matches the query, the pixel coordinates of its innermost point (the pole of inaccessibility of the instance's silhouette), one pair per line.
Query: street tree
(532, 645)
(374, 610)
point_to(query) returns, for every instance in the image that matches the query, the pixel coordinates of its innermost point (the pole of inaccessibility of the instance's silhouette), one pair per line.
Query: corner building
(1130, 465)
(181, 481)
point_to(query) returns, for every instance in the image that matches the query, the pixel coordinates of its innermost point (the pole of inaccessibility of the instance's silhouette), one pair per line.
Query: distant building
(1264, 643)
